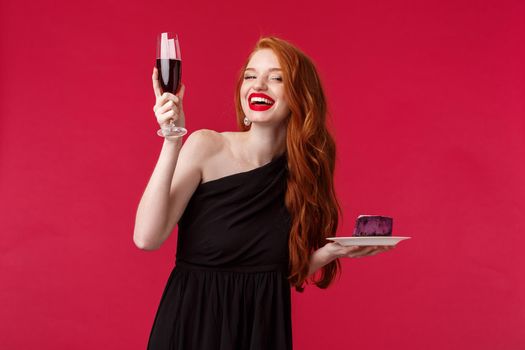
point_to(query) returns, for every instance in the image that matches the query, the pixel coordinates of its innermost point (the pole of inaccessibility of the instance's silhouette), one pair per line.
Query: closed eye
(254, 77)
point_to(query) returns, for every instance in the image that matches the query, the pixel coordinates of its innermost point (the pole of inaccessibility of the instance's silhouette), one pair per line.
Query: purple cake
(373, 225)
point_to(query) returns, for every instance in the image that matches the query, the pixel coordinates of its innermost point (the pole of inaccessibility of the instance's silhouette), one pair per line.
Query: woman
(253, 209)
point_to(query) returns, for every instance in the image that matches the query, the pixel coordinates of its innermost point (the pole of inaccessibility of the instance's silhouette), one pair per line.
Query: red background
(427, 99)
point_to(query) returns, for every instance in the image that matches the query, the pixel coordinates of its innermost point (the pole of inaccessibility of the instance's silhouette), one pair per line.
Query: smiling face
(262, 90)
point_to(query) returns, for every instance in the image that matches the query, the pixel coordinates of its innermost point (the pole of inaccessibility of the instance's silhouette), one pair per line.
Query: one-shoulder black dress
(229, 288)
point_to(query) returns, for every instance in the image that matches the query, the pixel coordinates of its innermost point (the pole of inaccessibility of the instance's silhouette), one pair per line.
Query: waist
(183, 265)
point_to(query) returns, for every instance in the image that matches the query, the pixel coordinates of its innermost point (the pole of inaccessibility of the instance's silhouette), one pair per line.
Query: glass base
(172, 131)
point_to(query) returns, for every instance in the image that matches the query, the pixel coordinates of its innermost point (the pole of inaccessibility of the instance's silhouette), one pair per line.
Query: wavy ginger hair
(310, 196)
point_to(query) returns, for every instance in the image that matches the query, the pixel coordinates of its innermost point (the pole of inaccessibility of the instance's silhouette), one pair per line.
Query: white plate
(373, 240)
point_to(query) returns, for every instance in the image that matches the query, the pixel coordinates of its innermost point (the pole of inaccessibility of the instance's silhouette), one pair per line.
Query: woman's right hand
(167, 106)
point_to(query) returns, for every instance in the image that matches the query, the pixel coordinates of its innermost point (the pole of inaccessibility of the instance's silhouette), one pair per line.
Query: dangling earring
(247, 122)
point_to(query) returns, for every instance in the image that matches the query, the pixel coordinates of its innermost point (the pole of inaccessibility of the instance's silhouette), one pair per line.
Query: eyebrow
(271, 69)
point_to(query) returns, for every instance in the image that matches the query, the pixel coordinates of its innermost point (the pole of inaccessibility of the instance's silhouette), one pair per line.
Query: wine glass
(169, 66)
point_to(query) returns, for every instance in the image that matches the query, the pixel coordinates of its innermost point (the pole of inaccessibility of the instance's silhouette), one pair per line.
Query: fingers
(164, 99)
(165, 107)
(180, 94)
(165, 113)
(378, 250)
(158, 90)
(360, 251)
(168, 107)
(364, 251)
(156, 84)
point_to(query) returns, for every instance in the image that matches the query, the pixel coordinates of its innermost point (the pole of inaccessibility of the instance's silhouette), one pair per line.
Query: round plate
(372, 240)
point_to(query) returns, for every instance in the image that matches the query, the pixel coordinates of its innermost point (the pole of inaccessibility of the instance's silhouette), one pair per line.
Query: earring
(247, 122)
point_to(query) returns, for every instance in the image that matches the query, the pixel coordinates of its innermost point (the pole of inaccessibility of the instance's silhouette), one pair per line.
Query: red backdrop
(427, 102)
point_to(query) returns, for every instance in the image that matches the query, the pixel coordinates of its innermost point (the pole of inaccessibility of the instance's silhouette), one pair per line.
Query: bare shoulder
(223, 160)
(201, 145)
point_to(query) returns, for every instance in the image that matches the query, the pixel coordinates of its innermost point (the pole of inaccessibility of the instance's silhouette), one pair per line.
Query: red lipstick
(260, 102)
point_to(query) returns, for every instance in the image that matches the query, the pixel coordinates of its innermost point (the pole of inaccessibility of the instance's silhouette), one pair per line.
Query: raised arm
(175, 177)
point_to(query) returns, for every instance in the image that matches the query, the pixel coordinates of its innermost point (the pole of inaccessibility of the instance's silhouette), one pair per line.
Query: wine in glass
(169, 66)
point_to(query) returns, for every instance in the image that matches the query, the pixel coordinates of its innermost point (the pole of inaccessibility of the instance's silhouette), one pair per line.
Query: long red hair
(310, 195)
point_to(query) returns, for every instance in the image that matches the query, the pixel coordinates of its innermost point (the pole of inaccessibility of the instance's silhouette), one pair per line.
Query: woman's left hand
(337, 250)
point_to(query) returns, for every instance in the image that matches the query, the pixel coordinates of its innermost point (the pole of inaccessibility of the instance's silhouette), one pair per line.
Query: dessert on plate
(373, 225)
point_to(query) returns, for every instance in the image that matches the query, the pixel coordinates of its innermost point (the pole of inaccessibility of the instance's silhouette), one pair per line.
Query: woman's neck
(260, 145)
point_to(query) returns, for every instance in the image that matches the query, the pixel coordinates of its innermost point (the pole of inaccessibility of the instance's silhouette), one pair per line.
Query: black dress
(229, 288)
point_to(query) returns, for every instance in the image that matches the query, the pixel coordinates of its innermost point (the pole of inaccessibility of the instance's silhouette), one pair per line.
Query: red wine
(170, 72)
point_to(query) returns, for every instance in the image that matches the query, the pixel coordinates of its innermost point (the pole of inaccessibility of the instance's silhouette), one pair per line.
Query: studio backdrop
(426, 104)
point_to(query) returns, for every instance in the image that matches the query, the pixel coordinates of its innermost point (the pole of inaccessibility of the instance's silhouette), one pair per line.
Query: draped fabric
(229, 289)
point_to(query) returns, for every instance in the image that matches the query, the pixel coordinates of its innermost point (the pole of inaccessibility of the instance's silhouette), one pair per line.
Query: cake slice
(373, 225)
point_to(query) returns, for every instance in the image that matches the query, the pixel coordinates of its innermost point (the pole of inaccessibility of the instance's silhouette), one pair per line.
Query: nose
(260, 83)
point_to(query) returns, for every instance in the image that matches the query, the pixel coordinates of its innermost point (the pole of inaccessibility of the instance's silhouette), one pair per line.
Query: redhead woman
(253, 209)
